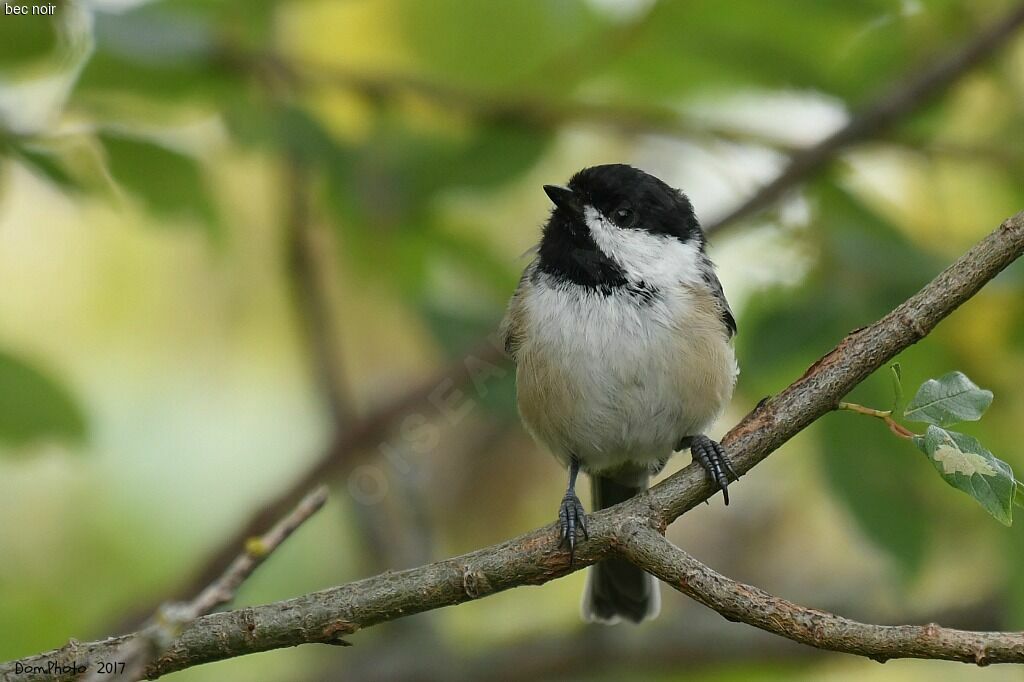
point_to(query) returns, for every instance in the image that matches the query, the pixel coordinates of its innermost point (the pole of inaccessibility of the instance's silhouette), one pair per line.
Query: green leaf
(947, 400)
(865, 267)
(168, 182)
(26, 38)
(457, 330)
(46, 163)
(162, 54)
(701, 44)
(896, 374)
(34, 406)
(965, 464)
(493, 43)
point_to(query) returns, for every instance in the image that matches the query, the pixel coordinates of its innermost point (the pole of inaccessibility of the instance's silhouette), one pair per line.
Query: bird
(621, 337)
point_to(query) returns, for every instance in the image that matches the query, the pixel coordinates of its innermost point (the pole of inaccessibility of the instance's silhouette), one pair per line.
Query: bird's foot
(712, 457)
(571, 520)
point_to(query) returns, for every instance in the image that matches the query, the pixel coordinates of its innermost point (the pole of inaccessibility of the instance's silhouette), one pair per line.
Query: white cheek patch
(658, 260)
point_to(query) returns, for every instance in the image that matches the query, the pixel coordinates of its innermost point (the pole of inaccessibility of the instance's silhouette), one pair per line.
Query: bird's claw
(571, 520)
(712, 457)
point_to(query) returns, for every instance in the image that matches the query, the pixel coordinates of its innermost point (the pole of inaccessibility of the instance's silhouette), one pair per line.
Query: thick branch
(738, 602)
(690, 639)
(534, 558)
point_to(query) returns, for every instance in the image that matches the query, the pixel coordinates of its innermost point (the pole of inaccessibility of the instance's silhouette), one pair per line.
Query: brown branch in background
(520, 109)
(138, 653)
(744, 603)
(329, 615)
(348, 449)
(313, 292)
(895, 103)
(309, 253)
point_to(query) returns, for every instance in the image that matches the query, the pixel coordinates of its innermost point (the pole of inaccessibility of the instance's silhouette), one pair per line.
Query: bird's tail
(617, 589)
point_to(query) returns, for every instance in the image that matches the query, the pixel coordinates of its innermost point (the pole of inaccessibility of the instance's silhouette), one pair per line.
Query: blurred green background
(231, 230)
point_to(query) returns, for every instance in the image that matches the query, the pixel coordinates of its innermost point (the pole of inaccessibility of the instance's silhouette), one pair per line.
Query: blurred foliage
(179, 189)
(427, 128)
(34, 407)
(26, 41)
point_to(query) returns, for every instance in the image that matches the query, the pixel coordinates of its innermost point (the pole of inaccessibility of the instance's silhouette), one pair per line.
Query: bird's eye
(624, 216)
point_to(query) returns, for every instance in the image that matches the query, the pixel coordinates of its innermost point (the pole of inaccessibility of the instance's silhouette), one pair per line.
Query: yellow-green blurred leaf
(168, 182)
(34, 406)
(26, 38)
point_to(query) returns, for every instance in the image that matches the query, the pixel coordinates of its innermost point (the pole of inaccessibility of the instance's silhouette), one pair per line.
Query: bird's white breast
(612, 378)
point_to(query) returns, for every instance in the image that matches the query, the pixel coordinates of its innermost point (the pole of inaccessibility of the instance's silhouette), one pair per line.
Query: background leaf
(965, 464)
(168, 182)
(947, 400)
(47, 164)
(864, 468)
(26, 38)
(34, 406)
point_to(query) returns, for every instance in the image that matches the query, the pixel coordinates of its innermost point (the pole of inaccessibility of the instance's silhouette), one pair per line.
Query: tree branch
(592, 650)
(895, 103)
(312, 292)
(738, 602)
(131, 659)
(329, 615)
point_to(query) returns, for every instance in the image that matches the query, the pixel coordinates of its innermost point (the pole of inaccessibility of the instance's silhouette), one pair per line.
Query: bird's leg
(571, 517)
(712, 457)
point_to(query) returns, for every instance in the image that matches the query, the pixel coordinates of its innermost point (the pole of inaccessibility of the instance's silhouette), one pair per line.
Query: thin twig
(130, 661)
(885, 415)
(330, 615)
(519, 109)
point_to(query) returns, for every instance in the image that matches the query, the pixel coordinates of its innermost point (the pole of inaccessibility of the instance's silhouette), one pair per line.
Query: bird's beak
(563, 197)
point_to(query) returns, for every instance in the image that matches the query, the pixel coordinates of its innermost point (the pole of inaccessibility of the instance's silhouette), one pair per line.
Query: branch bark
(329, 615)
(743, 603)
(595, 650)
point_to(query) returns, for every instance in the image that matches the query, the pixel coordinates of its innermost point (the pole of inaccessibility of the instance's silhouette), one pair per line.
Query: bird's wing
(715, 287)
(512, 326)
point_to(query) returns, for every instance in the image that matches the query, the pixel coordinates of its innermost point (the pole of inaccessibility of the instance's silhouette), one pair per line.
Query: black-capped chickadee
(621, 336)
